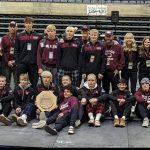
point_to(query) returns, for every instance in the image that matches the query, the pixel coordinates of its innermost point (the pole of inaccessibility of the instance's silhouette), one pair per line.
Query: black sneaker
(50, 130)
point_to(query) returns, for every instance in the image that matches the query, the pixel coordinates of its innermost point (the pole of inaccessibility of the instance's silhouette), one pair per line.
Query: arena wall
(70, 9)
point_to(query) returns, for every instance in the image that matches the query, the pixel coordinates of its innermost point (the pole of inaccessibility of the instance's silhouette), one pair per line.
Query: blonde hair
(70, 28)
(91, 76)
(3, 77)
(47, 74)
(94, 31)
(51, 27)
(24, 76)
(134, 46)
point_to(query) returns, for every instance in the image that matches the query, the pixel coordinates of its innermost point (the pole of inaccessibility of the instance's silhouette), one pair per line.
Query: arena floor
(106, 136)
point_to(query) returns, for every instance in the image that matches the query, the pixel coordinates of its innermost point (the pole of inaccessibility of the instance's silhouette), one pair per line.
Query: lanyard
(147, 52)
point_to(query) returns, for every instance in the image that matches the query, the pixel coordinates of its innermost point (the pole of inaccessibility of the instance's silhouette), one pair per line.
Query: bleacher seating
(139, 26)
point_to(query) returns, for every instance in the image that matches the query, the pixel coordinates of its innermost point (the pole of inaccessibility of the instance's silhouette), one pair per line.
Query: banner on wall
(97, 10)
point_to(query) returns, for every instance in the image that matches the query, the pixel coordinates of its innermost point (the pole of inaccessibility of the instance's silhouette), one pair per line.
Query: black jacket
(68, 54)
(22, 55)
(23, 96)
(96, 92)
(142, 61)
(6, 94)
(131, 56)
(93, 58)
(117, 94)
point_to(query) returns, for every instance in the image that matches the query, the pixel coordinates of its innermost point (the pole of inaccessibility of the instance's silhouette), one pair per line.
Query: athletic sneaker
(77, 123)
(50, 130)
(145, 122)
(91, 122)
(14, 118)
(5, 120)
(39, 124)
(21, 121)
(97, 123)
(71, 130)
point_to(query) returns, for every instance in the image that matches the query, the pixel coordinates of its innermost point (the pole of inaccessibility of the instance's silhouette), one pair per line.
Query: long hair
(142, 51)
(133, 46)
(145, 38)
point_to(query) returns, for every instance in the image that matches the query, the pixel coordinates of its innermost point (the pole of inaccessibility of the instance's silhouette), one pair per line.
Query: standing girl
(144, 59)
(131, 59)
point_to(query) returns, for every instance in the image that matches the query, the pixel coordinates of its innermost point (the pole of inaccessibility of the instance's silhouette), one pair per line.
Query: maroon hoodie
(115, 57)
(47, 52)
(67, 104)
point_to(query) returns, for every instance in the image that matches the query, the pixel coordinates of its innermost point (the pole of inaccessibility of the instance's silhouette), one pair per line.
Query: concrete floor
(106, 136)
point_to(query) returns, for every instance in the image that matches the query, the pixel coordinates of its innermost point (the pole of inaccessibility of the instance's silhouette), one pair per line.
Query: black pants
(133, 79)
(6, 108)
(144, 112)
(31, 69)
(120, 111)
(29, 110)
(67, 119)
(2, 66)
(143, 75)
(82, 113)
(110, 78)
(51, 116)
(8, 73)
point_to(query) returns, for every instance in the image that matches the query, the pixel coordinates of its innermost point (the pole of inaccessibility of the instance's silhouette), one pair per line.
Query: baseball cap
(13, 24)
(85, 28)
(108, 33)
(145, 80)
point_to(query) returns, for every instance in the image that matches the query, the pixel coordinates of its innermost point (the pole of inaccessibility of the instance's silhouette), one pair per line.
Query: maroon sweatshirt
(8, 47)
(115, 57)
(47, 52)
(142, 96)
(67, 104)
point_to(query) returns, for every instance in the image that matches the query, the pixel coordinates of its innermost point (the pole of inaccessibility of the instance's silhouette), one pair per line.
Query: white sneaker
(5, 120)
(145, 122)
(91, 122)
(97, 123)
(22, 121)
(39, 124)
(71, 130)
(77, 123)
